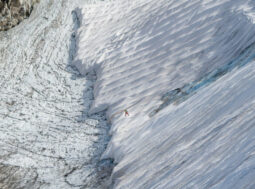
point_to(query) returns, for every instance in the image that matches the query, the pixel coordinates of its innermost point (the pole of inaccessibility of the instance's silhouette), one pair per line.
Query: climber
(7, 1)
(126, 113)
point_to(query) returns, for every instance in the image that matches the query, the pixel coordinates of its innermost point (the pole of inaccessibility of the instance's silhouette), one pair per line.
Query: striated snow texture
(185, 71)
(47, 138)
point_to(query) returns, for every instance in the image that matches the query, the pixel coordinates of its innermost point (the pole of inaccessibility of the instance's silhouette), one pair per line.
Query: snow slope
(185, 72)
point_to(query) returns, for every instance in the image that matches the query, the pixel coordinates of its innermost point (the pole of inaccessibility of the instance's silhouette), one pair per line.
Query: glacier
(47, 138)
(184, 70)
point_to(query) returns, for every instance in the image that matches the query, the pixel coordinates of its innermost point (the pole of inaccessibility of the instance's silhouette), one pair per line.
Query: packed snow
(184, 70)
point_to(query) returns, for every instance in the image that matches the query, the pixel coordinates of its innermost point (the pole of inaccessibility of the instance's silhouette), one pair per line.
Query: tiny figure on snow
(126, 113)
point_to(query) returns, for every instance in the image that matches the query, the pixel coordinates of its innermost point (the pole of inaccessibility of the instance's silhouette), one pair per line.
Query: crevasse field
(184, 70)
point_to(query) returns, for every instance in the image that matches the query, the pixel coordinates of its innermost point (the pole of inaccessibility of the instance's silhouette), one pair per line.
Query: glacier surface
(184, 70)
(47, 138)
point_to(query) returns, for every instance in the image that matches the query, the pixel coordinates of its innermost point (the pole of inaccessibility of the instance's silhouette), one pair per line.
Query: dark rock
(12, 12)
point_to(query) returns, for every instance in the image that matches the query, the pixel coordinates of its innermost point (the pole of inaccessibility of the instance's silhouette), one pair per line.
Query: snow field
(141, 50)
